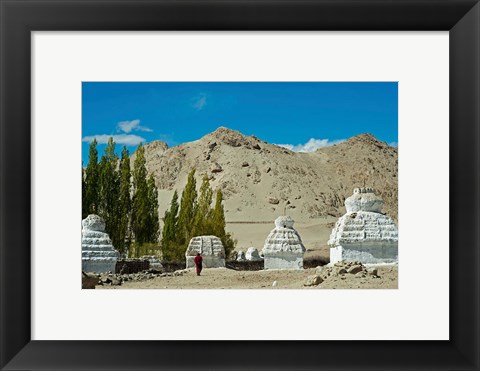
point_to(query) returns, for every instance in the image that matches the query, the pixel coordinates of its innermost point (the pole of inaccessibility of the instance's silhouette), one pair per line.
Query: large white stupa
(364, 233)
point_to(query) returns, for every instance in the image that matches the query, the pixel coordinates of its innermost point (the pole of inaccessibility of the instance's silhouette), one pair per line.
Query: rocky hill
(261, 181)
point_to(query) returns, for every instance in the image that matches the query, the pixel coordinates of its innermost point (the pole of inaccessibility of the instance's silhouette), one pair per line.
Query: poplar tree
(188, 206)
(219, 225)
(92, 186)
(169, 232)
(153, 222)
(202, 220)
(218, 216)
(125, 202)
(140, 200)
(84, 195)
(108, 204)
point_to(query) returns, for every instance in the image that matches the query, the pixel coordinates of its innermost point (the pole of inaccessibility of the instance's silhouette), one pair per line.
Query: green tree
(153, 226)
(84, 195)
(169, 232)
(202, 220)
(218, 216)
(108, 204)
(140, 207)
(219, 225)
(92, 181)
(186, 216)
(125, 202)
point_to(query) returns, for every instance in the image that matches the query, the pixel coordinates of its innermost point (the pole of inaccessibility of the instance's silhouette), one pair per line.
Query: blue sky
(303, 116)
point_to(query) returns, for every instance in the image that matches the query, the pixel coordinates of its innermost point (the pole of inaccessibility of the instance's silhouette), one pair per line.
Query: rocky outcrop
(98, 253)
(364, 234)
(283, 247)
(210, 248)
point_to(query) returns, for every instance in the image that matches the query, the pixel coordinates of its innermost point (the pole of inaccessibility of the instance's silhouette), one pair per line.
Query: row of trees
(126, 200)
(194, 216)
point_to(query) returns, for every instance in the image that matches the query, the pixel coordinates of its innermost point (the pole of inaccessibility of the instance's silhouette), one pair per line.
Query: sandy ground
(222, 278)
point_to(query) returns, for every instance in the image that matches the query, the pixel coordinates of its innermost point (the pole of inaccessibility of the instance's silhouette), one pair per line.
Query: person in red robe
(198, 263)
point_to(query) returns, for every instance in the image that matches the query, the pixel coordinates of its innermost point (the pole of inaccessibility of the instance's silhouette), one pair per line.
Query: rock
(283, 247)
(211, 146)
(89, 280)
(116, 282)
(245, 164)
(354, 269)
(313, 280)
(256, 146)
(273, 200)
(216, 168)
(267, 170)
(252, 254)
(211, 249)
(373, 272)
(342, 271)
(98, 253)
(274, 284)
(241, 256)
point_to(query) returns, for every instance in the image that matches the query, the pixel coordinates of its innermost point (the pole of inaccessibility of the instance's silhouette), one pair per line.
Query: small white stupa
(98, 253)
(211, 249)
(364, 234)
(283, 247)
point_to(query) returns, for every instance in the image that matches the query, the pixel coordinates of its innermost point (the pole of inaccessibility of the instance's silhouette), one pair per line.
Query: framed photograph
(304, 153)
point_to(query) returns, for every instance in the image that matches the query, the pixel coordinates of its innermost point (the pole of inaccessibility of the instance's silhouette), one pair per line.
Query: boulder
(89, 280)
(354, 269)
(216, 168)
(273, 200)
(313, 280)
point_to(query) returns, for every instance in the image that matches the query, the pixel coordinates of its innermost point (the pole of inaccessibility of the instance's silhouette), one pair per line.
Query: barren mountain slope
(259, 179)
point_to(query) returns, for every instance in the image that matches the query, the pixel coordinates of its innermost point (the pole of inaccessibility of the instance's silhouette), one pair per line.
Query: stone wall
(133, 265)
(245, 265)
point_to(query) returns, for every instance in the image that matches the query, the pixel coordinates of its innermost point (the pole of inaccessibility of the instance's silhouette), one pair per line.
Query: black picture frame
(18, 18)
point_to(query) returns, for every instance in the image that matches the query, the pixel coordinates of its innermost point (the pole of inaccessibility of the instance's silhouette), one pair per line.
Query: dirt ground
(222, 278)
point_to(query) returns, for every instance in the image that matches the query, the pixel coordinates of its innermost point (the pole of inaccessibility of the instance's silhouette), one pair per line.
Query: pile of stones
(342, 269)
(90, 280)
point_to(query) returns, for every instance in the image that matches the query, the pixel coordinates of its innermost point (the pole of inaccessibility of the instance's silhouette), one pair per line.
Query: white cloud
(312, 145)
(127, 139)
(393, 144)
(200, 101)
(134, 125)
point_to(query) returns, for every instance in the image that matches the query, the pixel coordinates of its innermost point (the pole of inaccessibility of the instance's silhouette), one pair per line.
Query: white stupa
(98, 253)
(211, 249)
(283, 247)
(364, 234)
